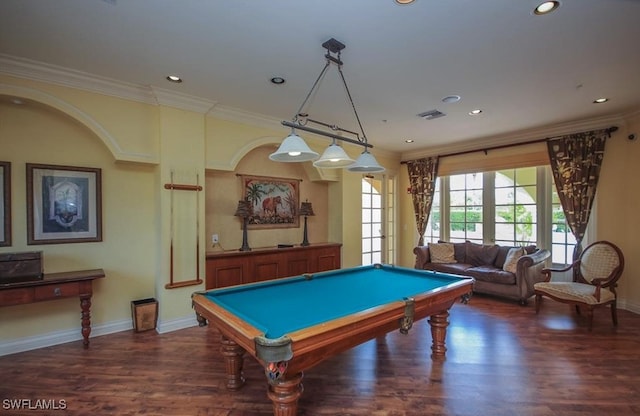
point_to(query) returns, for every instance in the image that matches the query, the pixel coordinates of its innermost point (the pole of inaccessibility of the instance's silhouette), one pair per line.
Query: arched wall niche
(14, 92)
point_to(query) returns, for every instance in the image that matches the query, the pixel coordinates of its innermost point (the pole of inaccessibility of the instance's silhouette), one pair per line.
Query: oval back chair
(595, 277)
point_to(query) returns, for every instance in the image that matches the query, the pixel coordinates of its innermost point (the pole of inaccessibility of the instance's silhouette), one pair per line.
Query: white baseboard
(629, 306)
(70, 335)
(176, 324)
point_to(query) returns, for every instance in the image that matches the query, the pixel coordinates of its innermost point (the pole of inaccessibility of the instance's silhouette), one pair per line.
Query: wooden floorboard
(502, 359)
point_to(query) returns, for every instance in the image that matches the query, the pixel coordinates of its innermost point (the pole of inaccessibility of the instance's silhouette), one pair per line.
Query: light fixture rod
(334, 127)
(325, 133)
(364, 136)
(313, 88)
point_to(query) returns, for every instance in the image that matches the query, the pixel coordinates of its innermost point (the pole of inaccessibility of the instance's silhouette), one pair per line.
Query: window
(378, 219)
(371, 221)
(516, 208)
(465, 207)
(562, 240)
(389, 235)
(432, 232)
(511, 207)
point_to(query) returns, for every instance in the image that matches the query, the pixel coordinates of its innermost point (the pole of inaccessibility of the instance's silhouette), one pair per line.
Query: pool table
(291, 324)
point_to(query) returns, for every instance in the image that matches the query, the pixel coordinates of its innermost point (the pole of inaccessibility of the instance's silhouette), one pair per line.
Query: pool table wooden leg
(284, 394)
(233, 357)
(439, 323)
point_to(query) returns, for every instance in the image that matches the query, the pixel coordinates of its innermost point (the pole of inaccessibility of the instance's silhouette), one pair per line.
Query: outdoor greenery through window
(465, 208)
(511, 207)
(516, 210)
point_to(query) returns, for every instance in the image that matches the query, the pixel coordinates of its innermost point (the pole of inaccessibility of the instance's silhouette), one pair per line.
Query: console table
(234, 267)
(56, 286)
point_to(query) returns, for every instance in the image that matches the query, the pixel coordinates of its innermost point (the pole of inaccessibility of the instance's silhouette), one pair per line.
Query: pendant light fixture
(294, 149)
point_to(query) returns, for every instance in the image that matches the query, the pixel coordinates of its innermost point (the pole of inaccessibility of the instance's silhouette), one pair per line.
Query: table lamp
(244, 211)
(307, 210)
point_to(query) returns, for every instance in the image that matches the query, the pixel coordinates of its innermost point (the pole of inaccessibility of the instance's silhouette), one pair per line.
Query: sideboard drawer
(56, 291)
(16, 296)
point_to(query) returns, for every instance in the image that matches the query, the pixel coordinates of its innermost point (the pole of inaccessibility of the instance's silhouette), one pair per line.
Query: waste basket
(145, 314)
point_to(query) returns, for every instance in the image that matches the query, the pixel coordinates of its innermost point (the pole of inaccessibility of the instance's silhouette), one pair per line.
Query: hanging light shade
(366, 163)
(293, 149)
(334, 157)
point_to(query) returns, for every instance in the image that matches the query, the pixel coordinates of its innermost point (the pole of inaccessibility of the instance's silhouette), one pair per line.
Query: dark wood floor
(502, 359)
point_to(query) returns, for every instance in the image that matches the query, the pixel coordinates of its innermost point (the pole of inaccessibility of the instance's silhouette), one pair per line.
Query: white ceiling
(523, 71)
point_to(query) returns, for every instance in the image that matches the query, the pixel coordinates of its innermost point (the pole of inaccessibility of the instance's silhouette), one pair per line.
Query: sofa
(508, 272)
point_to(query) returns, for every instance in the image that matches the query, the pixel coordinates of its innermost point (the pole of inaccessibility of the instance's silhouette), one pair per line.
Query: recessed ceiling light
(278, 80)
(451, 99)
(546, 7)
(475, 112)
(405, 1)
(409, 141)
(600, 100)
(17, 101)
(174, 78)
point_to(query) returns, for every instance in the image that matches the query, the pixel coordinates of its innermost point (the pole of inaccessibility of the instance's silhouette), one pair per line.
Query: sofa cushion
(441, 253)
(491, 274)
(511, 262)
(455, 268)
(480, 254)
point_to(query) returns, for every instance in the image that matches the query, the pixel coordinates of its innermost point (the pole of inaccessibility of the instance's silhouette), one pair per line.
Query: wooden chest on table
(21, 267)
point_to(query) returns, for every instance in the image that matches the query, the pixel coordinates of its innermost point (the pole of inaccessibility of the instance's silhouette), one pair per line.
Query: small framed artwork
(64, 204)
(5, 204)
(274, 201)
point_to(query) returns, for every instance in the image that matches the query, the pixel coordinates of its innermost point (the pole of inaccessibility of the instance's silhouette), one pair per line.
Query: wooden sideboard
(56, 286)
(236, 267)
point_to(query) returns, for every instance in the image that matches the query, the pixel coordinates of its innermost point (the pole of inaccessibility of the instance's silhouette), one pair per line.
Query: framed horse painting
(274, 201)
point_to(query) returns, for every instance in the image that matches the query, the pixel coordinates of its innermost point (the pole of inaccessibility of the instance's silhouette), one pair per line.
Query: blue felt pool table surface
(279, 307)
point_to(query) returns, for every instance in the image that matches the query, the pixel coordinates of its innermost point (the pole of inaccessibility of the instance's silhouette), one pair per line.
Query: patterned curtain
(422, 181)
(575, 163)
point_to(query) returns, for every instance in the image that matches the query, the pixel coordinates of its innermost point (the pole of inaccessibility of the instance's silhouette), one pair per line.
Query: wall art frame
(64, 204)
(274, 201)
(5, 204)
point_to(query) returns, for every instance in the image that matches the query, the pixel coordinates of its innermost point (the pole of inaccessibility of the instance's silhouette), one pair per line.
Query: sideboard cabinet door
(235, 267)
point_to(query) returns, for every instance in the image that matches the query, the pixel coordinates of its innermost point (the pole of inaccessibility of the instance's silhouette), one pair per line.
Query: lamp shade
(244, 209)
(334, 157)
(306, 209)
(366, 163)
(293, 149)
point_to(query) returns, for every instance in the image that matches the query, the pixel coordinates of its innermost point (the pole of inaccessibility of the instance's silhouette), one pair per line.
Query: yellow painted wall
(618, 199)
(34, 133)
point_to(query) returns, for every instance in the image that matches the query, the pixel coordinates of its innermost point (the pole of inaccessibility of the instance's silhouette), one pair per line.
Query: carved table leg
(439, 323)
(202, 321)
(85, 305)
(233, 357)
(284, 394)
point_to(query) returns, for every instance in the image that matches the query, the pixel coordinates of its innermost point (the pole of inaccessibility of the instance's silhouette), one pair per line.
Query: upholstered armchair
(595, 277)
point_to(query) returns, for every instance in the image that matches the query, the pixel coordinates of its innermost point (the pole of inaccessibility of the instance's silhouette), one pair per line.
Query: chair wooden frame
(546, 288)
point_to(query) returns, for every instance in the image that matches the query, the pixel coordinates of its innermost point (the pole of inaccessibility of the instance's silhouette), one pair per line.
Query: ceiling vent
(432, 114)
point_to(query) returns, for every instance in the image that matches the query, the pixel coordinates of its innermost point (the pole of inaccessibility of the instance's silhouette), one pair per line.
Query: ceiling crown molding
(66, 77)
(245, 117)
(182, 101)
(521, 136)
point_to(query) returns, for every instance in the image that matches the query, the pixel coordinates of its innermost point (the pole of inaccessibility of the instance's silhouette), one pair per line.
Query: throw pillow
(441, 253)
(511, 263)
